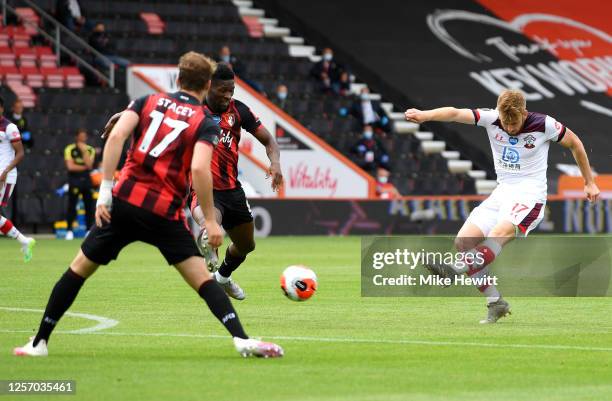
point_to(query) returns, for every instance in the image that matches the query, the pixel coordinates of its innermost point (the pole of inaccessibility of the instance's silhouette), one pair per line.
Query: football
(298, 282)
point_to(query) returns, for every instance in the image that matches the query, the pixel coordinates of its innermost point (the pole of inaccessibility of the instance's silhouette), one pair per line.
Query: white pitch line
(351, 340)
(103, 322)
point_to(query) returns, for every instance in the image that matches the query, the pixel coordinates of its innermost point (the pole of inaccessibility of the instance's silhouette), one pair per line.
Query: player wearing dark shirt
(232, 209)
(173, 137)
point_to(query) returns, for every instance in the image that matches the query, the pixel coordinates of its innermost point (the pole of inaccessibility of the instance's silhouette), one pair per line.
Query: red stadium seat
(73, 77)
(53, 77)
(155, 25)
(7, 59)
(33, 76)
(40, 50)
(9, 73)
(23, 50)
(27, 60)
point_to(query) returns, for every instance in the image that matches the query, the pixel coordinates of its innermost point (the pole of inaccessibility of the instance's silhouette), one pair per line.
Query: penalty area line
(349, 340)
(103, 322)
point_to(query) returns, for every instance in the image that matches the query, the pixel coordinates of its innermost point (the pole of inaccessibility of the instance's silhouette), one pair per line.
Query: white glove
(105, 195)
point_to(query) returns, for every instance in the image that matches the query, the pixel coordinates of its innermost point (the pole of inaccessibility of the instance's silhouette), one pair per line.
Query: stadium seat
(27, 60)
(7, 59)
(53, 77)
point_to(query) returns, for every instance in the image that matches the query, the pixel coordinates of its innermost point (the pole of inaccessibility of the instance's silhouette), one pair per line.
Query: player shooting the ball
(519, 140)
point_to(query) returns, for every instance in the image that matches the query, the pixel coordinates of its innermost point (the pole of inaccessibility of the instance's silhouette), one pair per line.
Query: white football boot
(232, 289)
(30, 350)
(261, 349)
(496, 310)
(209, 253)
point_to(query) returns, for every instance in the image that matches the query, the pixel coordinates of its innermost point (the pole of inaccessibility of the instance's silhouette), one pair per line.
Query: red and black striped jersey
(156, 173)
(224, 163)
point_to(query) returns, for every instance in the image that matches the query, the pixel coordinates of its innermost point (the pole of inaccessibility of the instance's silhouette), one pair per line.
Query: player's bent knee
(247, 248)
(83, 266)
(463, 244)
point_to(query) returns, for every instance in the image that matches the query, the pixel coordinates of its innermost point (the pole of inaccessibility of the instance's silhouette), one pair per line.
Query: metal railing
(61, 32)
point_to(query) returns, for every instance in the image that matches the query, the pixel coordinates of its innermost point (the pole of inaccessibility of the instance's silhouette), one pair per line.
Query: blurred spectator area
(207, 25)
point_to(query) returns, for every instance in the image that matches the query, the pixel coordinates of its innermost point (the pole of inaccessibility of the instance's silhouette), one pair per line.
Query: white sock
(13, 232)
(492, 294)
(221, 279)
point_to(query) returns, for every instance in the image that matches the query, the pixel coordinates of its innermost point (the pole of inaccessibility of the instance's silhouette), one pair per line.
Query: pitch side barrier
(424, 215)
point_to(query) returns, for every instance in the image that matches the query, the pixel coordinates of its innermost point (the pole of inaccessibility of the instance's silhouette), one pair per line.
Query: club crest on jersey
(499, 137)
(513, 140)
(230, 120)
(529, 141)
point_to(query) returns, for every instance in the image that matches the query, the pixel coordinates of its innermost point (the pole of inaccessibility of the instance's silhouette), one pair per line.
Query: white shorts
(6, 190)
(522, 210)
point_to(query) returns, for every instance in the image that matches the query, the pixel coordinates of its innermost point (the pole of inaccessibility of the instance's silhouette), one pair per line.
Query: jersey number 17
(157, 118)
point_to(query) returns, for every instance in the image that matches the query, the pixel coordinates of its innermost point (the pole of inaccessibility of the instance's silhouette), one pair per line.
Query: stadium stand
(156, 32)
(263, 46)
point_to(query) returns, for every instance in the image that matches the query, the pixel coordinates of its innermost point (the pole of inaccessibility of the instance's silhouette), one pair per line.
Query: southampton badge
(529, 141)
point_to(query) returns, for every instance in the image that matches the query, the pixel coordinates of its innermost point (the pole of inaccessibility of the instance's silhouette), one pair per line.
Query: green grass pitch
(338, 346)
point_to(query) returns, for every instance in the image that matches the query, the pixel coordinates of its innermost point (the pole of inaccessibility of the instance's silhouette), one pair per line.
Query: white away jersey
(9, 133)
(523, 158)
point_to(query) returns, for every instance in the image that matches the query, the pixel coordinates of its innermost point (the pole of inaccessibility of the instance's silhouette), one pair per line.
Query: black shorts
(234, 207)
(129, 224)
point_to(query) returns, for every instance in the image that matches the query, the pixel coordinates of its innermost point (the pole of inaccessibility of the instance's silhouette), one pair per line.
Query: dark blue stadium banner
(415, 216)
(434, 53)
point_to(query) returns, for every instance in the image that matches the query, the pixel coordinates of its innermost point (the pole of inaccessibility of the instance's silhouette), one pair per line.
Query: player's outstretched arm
(112, 153)
(574, 144)
(202, 182)
(273, 152)
(444, 114)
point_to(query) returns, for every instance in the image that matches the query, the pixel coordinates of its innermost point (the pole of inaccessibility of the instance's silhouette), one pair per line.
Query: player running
(11, 154)
(519, 141)
(232, 209)
(174, 136)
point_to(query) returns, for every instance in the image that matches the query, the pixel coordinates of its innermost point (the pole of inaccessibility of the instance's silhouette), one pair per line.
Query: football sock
(220, 305)
(229, 264)
(488, 290)
(62, 296)
(489, 249)
(7, 228)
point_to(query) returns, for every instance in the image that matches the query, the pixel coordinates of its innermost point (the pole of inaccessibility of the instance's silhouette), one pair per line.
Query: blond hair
(511, 105)
(195, 70)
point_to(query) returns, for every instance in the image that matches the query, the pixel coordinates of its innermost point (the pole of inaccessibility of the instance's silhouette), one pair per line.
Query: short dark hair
(79, 130)
(1, 101)
(224, 72)
(195, 71)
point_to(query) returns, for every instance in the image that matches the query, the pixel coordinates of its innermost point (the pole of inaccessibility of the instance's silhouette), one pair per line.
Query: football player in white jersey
(11, 153)
(519, 141)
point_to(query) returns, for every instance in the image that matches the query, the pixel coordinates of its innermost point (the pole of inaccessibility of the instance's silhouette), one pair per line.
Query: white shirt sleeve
(554, 130)
(12, 133)
(485, 117)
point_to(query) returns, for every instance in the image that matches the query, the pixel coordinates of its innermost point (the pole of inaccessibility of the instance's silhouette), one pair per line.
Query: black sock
(62, 296)
(220, 305)
(230, 263)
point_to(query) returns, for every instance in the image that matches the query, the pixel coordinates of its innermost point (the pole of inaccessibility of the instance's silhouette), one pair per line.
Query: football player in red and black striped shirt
(173, 137)
(232, 209)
